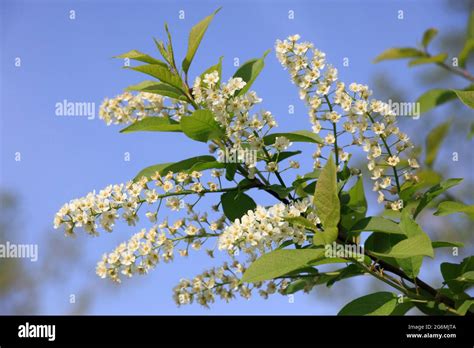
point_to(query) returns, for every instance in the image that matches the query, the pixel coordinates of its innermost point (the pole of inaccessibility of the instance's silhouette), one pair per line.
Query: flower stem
(334, 129)
(457, 71)
(395, 173)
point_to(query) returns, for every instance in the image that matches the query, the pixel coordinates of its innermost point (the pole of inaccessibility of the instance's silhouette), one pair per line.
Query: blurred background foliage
(25, 285)
(446, 129)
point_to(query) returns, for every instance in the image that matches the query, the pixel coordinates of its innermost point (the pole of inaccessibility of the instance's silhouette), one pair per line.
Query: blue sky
(66, 157)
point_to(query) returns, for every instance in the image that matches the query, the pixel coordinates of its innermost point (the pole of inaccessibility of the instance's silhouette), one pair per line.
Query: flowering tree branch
(315, 219)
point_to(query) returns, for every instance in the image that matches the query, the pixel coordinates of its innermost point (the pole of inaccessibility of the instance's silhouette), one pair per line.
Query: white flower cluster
(138, 255)
(370, 122)
(103, 208)
(244, 130)
(263, 229)
(222, 282)
(233, 111)
(145, 249)
(128, 108)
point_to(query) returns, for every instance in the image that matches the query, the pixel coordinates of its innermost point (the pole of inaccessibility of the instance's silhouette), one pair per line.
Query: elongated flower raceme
(233, 112)
(244, 129)
(102, 209)
(145, 249)
(370, 123)
(128, 108)
(222, 282)
(263, 229)
(230, 110)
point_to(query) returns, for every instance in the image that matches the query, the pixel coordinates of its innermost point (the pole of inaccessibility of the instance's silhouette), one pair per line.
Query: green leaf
(281, 156)
(379, 303)
(429, 177)
(230, 170)
(377, 224)
(249, 72)
(434, 141)
(466, 277)
(304, 190)
(307, 177)
(301, 221)
(153, 124)
(332, 277)
(442, 244)
(344, 175)
(151, 170)
(162, 49)
(450, 207)
(453, 274)
(326, 201)
(410, 246)
(280, 262)
(401, 251)
(201, 126)
(200, 166)
(281, 190)
(195, 37)
(285, 244)
(301, 136)
(434, 98)
(328, 278)
(464, 306)
(465, 52)
(297, 285)
(434, 192)
(325, 237)
(355, 208)
(399, 53)
(402, 308)
(189, 164)
(469, 44)
(330, 260)
(169, 49)
(236, 204)
(158, 88)
(467, 97)
(470, 26)
(439, 58)
(161, 73)
(194, 164)
(382, 243)
(142, 57)
(411, 229)
(431, 308)
(419, 245)
(428, 36)
(350, 271)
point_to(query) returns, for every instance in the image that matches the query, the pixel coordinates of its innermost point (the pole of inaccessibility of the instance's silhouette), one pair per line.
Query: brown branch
(457, 71)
